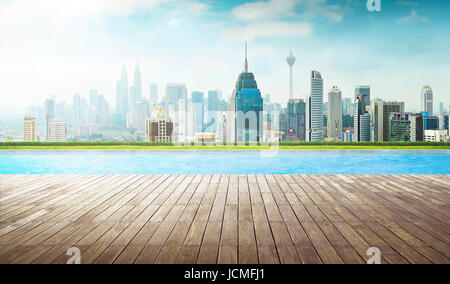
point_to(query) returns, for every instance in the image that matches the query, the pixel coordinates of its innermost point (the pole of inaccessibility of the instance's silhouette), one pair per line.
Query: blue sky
(49, 47)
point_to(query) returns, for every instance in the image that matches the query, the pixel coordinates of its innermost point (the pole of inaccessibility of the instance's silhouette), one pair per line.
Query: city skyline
(319, 40)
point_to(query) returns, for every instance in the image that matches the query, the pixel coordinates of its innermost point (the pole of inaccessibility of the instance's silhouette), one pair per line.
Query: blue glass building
(247, 104)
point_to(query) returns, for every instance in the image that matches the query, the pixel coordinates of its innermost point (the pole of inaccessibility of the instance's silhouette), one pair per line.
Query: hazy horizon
(50, 47)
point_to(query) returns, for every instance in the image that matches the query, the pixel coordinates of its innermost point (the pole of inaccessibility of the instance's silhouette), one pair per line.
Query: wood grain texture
(208, 219)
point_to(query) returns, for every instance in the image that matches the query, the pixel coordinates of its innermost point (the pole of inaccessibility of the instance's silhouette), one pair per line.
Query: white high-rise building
(364, 124)
(57, 131)
(135, 94)
(122, 95)
(427, 99)
(76, 119)
(314, 109)
(334, 124)
(182, 121)
(29, 129)
(137, 84)
(142, 112)
(361, 118)
(291, 61)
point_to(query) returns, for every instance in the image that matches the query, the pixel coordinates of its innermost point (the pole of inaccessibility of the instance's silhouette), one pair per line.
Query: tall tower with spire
(291, 61)
(247, 105)
(246, 62)
(122, 95)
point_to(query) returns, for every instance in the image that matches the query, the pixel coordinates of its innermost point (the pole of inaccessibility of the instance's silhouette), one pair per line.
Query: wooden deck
(224, 218)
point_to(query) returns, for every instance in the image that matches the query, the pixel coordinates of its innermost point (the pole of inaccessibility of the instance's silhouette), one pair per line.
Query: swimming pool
(224, 162)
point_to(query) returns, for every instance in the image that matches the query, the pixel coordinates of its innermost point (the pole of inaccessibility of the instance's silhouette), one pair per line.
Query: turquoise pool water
(224, 162)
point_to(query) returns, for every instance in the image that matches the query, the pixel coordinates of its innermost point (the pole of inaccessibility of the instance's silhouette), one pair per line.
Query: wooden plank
(209, 219)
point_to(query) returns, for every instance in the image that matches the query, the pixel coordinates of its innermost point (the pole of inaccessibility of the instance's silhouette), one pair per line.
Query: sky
(66, 47)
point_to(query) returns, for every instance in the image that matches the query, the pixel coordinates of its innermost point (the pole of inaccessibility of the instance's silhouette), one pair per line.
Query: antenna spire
(246, 62)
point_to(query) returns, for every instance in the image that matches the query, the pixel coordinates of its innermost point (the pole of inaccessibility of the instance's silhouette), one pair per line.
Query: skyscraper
(142, 112)
(94, 99)
(361, 120)
(314, 109)
(380, 115)
(213, 107)
(247, 105)
(427, 99)
(137, 84)
(131, 100)
(334, 123)
(182, 120)
(49, 110)
(103, 110)
(198, 102)
(29, 129)
(291, 61)
(363, 90)
(122, 96)
(76, 109)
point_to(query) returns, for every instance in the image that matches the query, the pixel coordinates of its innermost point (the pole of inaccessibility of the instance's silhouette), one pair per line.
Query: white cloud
(320, 8)
(276, 9)
(264, 10)
(413, 18)
(267, 29)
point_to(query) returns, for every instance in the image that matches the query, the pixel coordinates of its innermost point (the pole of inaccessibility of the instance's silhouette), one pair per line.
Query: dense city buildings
(380, 113)
(334, 123)
(247, 105)
(159, 127)
(240, 116)
(427, 99)
(29, 129)
(314, 109)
